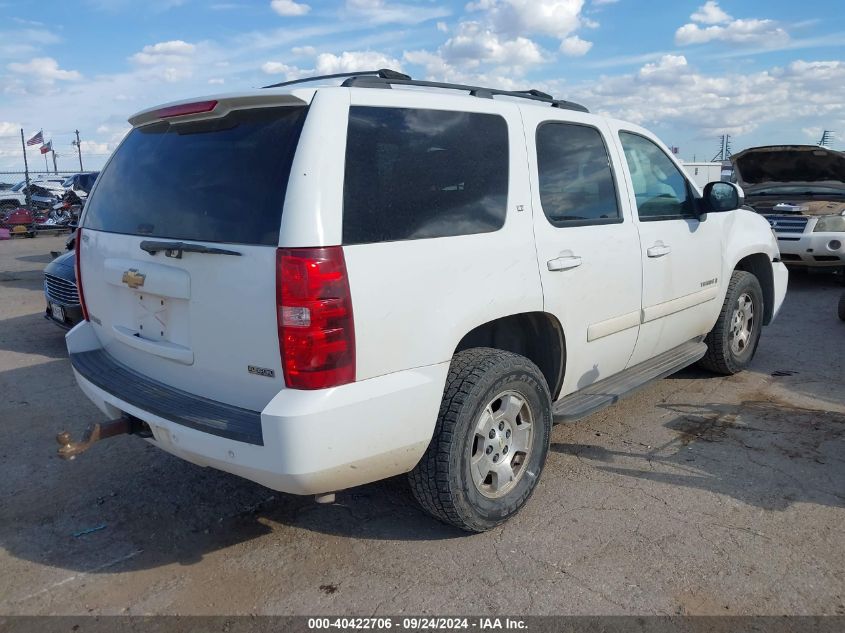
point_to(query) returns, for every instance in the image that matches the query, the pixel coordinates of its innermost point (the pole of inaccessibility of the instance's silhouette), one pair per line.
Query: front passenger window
(660, 188)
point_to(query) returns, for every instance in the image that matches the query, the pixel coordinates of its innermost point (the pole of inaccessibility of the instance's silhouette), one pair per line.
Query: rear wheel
(733, 340)
(490, 441)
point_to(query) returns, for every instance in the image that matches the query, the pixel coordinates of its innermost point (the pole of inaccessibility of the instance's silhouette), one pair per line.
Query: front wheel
(733, 340)
(490, 441)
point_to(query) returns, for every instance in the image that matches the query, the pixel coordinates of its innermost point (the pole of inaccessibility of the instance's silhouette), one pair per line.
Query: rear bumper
(813, 249)
(311, 441)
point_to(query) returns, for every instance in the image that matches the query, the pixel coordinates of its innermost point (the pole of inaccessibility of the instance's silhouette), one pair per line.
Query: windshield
(19, 186)
(219, 180)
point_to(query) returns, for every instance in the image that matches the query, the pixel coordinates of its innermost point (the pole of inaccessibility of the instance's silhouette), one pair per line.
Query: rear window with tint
(414, 174)
(221, 180)
(576, 183)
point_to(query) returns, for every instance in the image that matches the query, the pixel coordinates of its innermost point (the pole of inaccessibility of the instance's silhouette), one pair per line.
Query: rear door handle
(564, 263)
(659, 250)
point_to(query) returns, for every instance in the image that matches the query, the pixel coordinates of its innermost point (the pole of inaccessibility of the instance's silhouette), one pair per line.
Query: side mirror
(722, 196)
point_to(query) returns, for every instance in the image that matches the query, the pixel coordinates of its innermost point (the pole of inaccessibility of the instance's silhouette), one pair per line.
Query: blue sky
(765, 72)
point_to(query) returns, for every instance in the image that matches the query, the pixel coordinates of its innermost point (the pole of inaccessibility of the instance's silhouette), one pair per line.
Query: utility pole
(25, 170)
(827, 138)
(79, 150)
(724, 149)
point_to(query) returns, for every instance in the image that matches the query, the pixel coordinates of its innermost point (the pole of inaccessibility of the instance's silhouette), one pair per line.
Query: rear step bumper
(303, 442)
(180, 407)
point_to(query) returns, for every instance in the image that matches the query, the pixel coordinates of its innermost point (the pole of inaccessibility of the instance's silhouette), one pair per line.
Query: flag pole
(46, 165)
(26, 170)
(55, 169)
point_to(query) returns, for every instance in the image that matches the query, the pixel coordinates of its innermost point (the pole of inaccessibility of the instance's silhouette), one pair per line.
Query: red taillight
(197, 107)
(77, 263)
(314, 313)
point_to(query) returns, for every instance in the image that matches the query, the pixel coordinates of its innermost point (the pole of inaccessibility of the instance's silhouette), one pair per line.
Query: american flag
(35, 140)
(48, 146)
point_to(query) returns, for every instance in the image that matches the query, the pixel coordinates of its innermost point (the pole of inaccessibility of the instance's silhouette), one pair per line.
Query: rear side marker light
(314, 314)
(197, 107)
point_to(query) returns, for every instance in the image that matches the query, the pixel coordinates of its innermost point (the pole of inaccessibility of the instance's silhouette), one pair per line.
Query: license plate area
(152, 316)
(58, 312)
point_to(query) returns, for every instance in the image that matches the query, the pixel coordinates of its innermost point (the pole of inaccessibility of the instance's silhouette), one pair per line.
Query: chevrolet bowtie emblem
(133, 278)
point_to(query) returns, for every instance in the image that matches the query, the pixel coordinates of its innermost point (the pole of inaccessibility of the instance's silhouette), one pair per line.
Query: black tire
(442, 481)
(842, 307)
(720, 357)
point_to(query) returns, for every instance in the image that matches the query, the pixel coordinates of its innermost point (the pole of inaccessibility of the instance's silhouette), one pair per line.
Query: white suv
(422, 280)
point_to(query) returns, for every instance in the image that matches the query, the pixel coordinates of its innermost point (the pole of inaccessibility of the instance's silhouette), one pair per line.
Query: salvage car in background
(63, 306)
(801, 191)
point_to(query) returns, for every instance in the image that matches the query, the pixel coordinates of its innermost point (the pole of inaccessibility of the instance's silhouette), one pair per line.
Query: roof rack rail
(383, 73)
(371, 80)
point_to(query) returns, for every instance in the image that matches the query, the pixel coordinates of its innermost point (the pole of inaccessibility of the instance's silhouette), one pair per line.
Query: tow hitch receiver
(68, 449)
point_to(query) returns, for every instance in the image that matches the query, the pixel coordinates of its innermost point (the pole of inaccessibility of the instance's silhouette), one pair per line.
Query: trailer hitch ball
(69, 449)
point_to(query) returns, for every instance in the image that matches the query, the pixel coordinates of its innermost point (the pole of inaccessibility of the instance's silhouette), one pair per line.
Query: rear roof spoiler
(224, 104)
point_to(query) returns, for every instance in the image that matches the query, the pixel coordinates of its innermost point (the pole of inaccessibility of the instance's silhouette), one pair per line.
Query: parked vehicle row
(421, 281)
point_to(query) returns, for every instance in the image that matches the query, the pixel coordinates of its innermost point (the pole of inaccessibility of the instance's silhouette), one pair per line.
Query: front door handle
(564, 263)
(659, 250)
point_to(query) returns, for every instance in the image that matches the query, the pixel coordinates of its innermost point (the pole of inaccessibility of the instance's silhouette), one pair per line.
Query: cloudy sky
(764, 71)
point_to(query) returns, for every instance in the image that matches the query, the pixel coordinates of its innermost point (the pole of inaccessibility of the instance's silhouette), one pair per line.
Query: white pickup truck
(422, 279)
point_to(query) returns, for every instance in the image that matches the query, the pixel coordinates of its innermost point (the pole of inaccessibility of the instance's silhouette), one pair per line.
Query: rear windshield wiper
(175, 249)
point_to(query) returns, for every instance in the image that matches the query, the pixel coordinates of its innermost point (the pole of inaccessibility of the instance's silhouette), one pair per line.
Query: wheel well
(759, 265)
(536, 335)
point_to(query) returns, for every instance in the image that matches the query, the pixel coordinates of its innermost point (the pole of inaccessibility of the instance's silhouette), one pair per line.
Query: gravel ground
(697, 495)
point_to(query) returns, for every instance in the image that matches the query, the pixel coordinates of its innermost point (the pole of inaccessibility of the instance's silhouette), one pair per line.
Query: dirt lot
(699, 494)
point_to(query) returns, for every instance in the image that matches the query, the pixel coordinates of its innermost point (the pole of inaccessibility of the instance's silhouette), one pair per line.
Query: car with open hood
(801, 191)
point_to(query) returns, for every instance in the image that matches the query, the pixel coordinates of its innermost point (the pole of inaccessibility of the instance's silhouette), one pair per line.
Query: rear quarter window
(220, 180)
(415, 174)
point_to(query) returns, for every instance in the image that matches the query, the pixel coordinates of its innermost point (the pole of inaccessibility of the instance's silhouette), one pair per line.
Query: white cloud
(329, 64)
(24, 42)
(304, 51)
(710, 13)
(278, 68)
(351, 61)
(44, 69)
(9, 129)
(164, 52)
(671, 92)
(473, 44)
(442, 27)
(171, 61)
(216, 81)
(289, 7)
(574, 46)
(383, 12)
(719, 26)
(555, 18)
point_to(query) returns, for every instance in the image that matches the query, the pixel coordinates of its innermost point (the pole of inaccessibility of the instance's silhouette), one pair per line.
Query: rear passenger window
(414, 174)
(576, 181)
